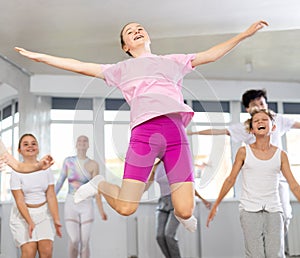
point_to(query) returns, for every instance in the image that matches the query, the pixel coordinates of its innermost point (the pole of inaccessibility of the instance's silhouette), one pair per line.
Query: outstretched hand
(255, 27)
(8, 159)
(45, 162)
(31, 55)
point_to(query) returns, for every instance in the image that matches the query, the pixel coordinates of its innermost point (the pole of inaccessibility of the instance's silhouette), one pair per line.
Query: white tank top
(260, 181)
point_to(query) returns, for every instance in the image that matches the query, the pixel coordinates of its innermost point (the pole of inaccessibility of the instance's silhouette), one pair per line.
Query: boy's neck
(262, 143)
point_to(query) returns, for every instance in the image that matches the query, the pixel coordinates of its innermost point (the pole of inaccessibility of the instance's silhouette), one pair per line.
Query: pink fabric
(163, 137)
(152, 85)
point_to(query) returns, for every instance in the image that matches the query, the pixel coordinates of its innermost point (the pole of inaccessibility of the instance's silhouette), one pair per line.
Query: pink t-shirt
(152, 85)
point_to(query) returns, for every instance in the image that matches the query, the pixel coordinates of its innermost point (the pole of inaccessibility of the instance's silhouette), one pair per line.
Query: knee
(85, 244)
(184, 213)
(74, 243)
(28, 252)
(126, 209)
(46, 252)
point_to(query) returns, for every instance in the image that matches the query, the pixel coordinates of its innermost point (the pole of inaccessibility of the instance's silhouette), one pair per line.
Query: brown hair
(23, 136)
(254, 111)
(122, 39)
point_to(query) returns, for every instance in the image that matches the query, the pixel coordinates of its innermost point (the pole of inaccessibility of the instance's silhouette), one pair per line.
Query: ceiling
(89, 31)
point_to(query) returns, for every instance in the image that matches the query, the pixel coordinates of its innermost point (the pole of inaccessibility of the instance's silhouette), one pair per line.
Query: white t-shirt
(34, 185)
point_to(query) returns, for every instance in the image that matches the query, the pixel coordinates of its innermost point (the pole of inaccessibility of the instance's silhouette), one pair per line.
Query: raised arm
(286, 171)
(218, 51)
(228, 183)
(89, 69)
(210, 132)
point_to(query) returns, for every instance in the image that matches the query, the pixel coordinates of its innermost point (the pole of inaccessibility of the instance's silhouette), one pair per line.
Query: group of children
(151, 84)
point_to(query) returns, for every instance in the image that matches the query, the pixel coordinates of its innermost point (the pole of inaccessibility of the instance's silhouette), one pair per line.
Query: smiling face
(134, 36)
(261, 123)
(82, 143)
(28, 146)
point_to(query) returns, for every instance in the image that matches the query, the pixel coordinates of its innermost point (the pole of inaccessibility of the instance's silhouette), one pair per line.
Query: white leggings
(78, 219)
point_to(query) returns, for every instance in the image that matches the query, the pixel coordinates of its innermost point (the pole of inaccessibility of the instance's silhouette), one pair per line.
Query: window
(291, 110)
(212, 154)
(9, 131)
(117, 133)
(70, 118)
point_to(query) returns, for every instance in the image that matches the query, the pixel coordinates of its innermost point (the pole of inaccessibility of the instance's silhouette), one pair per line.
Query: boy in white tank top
(261, 211)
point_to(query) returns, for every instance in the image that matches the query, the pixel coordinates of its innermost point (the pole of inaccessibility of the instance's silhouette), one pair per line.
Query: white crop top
(34, 185)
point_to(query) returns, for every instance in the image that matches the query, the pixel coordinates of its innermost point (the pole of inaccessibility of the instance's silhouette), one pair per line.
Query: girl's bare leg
(29, 250)
(183, 200)
(125, 199)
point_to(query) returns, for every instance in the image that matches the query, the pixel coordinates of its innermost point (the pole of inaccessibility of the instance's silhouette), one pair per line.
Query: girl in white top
(151, 85)
(7, 159)
(35, 209)
(260, 207)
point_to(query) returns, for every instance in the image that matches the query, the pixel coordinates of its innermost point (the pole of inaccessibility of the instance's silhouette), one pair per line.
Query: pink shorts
(162, 137)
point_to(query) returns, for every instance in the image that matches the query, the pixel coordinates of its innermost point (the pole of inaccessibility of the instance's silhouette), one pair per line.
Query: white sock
(190, 224)
(88, 190)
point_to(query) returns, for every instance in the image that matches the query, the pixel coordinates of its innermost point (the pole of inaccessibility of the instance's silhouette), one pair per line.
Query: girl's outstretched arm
(211, 131)
(89, 69)
(218, 51)
(21, 167)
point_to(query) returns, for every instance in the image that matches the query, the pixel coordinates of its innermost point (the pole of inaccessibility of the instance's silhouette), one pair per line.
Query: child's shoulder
(241, 153)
